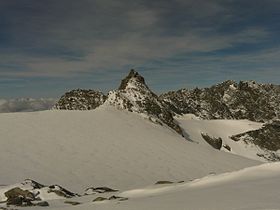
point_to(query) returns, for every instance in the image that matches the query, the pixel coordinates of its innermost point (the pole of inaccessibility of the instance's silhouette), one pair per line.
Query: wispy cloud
(69, 38)
(25, 105)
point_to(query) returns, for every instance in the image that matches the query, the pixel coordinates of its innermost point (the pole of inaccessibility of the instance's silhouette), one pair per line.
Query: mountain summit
(134, 95)
(132, 77)
(228, 100)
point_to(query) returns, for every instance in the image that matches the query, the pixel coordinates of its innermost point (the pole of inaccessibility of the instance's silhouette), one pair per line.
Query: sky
(52, 46)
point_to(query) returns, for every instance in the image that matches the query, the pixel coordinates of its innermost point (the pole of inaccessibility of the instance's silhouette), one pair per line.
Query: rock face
(228, 100)
(80, 100)
(134, 95)
(18, 197)
(216, 143)
(266, 138)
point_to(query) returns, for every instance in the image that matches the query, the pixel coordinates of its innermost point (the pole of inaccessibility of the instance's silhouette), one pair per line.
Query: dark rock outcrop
(60, 191)
(164, 182)
(19, 197)
(98, 199)
(80, 100)
(93, 190)
(216, 143)
(32, 193)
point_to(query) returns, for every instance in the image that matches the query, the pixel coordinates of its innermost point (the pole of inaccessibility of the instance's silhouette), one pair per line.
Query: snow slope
(253, 188)
(119, 149)
(194, 126)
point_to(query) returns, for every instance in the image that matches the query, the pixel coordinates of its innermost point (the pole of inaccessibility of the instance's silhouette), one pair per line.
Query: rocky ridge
(228, 100)
(133, 95)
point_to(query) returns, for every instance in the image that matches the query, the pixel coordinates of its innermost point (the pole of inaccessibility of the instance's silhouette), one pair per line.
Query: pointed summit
(133, 75)
(135, 96)
(133, 81)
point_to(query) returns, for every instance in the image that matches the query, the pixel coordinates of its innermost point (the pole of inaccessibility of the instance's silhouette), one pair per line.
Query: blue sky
(48, 47)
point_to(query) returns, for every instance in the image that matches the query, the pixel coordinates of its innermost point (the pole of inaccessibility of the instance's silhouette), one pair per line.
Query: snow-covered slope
(253, 188)
(105, 146)
(266, 139)
(224, 129)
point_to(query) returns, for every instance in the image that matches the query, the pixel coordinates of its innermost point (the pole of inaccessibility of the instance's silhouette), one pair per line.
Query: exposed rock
(135, 96)
(216, 143)
(19, 197)
(99, 199)
(92, 190)
(33, 183)
(114, 197)
(30, 193)
(228, 100)
(132, 75)
(80, 100)
(227, 147)
(60, 191)
(164, 182)
(123, 199)
(118, 198)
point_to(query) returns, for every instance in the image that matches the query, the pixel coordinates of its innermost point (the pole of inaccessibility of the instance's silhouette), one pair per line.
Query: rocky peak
(132, 78)
(135, 96)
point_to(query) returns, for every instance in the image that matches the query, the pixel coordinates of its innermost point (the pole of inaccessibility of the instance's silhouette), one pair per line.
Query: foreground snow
(253, 188)
(103, 147)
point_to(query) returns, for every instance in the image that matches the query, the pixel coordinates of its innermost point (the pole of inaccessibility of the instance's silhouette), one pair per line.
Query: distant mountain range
(133, 95)
(228, 100)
